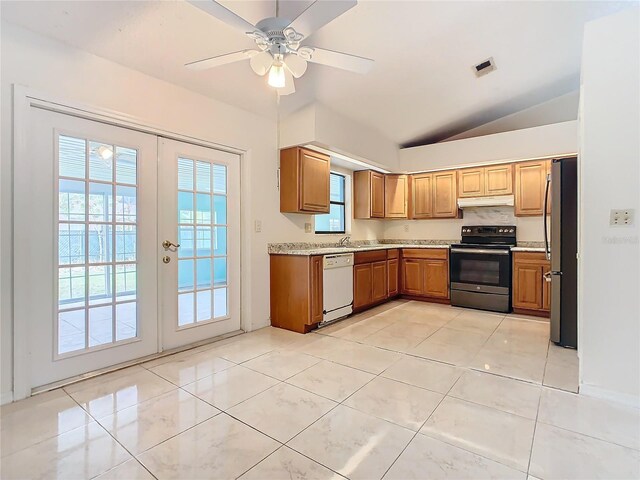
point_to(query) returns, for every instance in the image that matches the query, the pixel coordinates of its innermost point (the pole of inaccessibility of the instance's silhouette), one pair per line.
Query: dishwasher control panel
(338, 260)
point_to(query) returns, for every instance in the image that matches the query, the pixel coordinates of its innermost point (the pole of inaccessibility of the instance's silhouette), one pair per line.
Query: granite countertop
(330, 249)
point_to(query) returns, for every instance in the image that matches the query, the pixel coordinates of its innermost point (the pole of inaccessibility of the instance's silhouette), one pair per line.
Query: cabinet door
(392, 277)
(498, 180)
(412, 277)
(436, 278)
(314, 182)
(530, 183)
(396, 196)
(445, 195)
(379, 281)
(471, 182)
(362, 285)
(377, 195)
(527, 285)
(421, 196)
(316, 290)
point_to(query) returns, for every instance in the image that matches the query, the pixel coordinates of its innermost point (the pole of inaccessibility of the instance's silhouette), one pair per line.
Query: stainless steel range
(480, 268)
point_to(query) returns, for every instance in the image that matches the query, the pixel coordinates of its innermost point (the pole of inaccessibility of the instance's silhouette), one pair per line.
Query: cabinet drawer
(530, 257)
(429, 253)
(393, 253)
(369, 257)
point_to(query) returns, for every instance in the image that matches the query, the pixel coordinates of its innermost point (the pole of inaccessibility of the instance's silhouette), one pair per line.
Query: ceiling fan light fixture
(276, 75)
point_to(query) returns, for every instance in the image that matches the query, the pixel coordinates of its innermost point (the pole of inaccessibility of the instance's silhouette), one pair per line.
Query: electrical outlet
(258, 226)
(307, 227)
(622, 218)
(406, 227)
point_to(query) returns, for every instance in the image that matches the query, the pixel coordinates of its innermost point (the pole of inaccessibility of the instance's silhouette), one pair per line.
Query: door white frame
(25, 98)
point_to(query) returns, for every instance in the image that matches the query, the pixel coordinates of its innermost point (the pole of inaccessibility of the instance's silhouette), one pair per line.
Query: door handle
(547, 277)
(168, 244)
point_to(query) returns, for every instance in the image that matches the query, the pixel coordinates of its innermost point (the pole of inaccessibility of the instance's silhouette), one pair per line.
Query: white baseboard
(621, 398)
(6, 397)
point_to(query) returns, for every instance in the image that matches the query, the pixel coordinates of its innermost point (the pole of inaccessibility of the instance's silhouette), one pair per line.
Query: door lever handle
(167, 245)
(547, 277)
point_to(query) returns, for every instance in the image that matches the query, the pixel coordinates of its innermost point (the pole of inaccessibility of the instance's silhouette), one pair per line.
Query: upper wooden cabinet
(530, 186)
(471, 182)
(304, 181)
(396, 196)
(485, 181)
(368, 194)
(421, 204)
(445, 204)
(498, 180)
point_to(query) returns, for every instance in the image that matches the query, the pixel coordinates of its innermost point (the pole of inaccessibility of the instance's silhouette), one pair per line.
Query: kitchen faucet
(344, 241)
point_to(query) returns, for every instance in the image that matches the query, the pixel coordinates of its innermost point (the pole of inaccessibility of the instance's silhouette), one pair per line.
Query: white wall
(560, 109)
(325, 128)
(55, 68)
(535, 142)
(609, 264)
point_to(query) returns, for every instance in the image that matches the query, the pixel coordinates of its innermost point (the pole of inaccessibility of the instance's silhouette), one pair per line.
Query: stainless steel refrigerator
(562, 191)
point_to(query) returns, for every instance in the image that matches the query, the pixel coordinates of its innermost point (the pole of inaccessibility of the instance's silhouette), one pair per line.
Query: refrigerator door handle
(547, 250)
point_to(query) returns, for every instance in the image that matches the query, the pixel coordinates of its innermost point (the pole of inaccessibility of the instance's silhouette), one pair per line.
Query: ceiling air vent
(484, 67)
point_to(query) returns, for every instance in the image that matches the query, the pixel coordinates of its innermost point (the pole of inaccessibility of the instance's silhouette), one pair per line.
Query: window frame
(332, 202)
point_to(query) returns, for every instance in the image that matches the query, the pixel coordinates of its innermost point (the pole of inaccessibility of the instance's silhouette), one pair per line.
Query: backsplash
(489, 216)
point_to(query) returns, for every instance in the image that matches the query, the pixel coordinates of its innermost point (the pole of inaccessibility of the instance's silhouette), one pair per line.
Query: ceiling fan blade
(221, 60)
(223, 14)
(345, 61)
(296, 65)
(289, 85)
(319, 13)
(261, 62)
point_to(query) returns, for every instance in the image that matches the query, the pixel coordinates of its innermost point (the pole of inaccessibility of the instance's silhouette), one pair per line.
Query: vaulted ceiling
(422, 88)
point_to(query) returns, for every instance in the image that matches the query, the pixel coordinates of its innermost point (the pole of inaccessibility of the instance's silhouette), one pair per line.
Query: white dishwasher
(337, 286)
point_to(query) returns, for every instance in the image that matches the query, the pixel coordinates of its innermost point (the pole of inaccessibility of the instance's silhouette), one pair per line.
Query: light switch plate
(258, 226)
(622, 217)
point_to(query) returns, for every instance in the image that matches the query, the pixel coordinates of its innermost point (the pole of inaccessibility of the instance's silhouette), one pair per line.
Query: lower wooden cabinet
(531, 292)
(362, 285)
(392, 277)
(296, 291)
(370, 278)
(425, 273)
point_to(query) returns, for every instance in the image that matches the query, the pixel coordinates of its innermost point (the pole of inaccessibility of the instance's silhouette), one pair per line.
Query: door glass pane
(100, 325)
(126, 167)
(202, 258)
(126, 321)
(71, 331)
(71, 201)
(100, 202)
(100, 162)
(70, 243)
(203, 306)
(96, 234)
(72, 157)
(185, 309)
(220, 209)
(203, 177)
(185, 240)
(220, 302)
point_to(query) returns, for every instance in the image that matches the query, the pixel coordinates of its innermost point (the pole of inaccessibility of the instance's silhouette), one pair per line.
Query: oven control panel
(489, 234)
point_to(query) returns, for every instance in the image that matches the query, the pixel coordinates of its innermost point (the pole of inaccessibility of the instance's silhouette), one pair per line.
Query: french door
(93, 206)
(200, 241)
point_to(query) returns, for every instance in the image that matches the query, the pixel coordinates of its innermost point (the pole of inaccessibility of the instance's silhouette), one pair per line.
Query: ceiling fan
(280, 53)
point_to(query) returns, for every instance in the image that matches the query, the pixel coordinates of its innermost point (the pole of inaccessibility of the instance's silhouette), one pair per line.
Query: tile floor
(405, 391)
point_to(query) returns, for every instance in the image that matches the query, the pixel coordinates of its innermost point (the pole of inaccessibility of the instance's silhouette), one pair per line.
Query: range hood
(498, 201)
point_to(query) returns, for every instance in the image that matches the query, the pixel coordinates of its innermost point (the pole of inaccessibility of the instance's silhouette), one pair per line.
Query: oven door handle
(480, 250)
